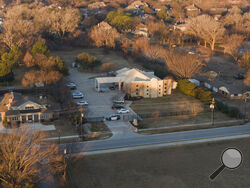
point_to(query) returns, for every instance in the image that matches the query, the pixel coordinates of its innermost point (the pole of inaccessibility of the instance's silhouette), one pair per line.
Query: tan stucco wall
(149, 89)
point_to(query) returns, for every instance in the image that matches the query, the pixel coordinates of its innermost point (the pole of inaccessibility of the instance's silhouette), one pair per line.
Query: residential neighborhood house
(15, 107)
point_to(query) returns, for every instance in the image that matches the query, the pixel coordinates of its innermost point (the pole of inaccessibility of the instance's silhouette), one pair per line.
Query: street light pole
(81, 120)
(212, 108)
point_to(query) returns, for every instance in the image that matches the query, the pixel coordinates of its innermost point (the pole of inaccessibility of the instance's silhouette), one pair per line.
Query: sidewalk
(33, 126)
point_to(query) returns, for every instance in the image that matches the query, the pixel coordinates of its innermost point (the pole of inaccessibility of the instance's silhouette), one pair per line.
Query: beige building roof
(128, 75)
(131, 75)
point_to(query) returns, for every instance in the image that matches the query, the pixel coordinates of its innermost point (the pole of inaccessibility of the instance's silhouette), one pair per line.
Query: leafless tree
(104, 36)
(18, 28)
(231, 43)
(40, 76)
(182, 65)
(23, 159)
(206, 28)
(247, 78)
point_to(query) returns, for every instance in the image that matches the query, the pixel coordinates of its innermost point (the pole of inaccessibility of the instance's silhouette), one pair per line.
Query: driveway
(100, 104)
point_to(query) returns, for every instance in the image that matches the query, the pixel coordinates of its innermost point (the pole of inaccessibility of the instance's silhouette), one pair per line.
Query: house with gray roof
(15, 107)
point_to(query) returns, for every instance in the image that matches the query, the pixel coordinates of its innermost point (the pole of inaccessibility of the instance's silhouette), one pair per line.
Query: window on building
(147, 86)
(165, 87)
(147, 89)
(159, 93)
(29, 107)
(137, 90)
(136, 93)
(147, 94)
(137, 85)
(44, 116)
(14, 118)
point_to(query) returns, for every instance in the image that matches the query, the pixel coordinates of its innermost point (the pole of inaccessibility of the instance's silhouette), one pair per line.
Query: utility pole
(212, 109)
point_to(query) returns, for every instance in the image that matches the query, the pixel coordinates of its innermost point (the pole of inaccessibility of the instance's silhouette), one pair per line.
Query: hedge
(191, 89)
(223, 107)
(7, 78)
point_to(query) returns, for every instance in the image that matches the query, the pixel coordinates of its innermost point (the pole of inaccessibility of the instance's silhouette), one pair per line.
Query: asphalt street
(157, 139)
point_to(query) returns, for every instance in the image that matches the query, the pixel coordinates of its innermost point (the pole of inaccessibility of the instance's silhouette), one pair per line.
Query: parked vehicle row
(77, 94)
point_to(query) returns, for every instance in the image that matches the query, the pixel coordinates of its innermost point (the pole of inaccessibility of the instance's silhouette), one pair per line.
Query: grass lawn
(63, 128)
(99, 127)
(153, 111)
(182, 120)
(68, 56)
(173, 167)
(18, 74)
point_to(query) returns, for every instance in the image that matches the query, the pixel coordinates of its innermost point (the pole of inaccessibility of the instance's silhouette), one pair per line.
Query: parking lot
(99, 103)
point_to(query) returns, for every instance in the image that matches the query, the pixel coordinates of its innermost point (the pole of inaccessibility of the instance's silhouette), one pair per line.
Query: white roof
(224, 89)
(128, 75)
(103, 80)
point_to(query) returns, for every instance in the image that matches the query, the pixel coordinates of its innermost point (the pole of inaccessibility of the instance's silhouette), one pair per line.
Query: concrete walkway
(33, 126)
(121, 130)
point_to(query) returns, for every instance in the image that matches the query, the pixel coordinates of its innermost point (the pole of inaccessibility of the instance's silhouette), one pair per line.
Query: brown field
(151, 109)
(68, 56)
(173, 167)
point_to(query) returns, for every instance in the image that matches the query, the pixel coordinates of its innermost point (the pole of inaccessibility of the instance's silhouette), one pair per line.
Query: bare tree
(231, 45)
(40, 76)
(158, 30)
(104, 35)
(23, 159)
(182, 65)
(247, 78)
(206, 28)
(18, 28)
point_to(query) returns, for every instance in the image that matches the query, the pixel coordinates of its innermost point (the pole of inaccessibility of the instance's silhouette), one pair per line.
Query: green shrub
(186, 87)
(204, 96)
(87, 61)
(40, 48)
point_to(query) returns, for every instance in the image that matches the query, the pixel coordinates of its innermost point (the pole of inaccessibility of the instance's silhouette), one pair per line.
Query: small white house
(196, 82)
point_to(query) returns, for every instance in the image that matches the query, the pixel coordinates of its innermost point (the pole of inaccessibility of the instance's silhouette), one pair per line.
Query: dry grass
(68, 56)
(63, 128)
(153, 111)
(172, 167)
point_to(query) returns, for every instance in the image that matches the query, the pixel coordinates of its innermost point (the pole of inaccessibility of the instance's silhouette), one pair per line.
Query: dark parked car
(239, 76)
(117, 106)
(132, 98)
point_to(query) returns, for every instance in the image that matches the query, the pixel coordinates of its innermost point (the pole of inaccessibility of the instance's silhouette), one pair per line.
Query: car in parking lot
(71, 85)
(117, 106)
(113, 117)
(77, 95)
(119, 101)
(122, 111)
(82, 103)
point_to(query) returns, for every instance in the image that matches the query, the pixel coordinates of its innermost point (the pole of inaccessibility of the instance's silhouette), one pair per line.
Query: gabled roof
(25, 100)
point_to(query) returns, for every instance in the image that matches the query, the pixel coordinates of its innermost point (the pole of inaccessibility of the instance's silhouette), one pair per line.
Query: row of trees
(45, 68)
(23, 24)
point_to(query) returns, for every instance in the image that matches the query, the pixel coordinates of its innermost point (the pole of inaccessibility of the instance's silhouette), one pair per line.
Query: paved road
(157, 139)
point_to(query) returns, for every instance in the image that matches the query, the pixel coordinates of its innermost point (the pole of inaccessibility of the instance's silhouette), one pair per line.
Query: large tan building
(139, 83)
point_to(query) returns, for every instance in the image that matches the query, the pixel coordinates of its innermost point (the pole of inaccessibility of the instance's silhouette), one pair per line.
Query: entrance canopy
(108, 80)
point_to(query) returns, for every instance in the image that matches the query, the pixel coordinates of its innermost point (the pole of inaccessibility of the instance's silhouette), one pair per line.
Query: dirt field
(68, 56)
(175, 167)
(152, 111)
